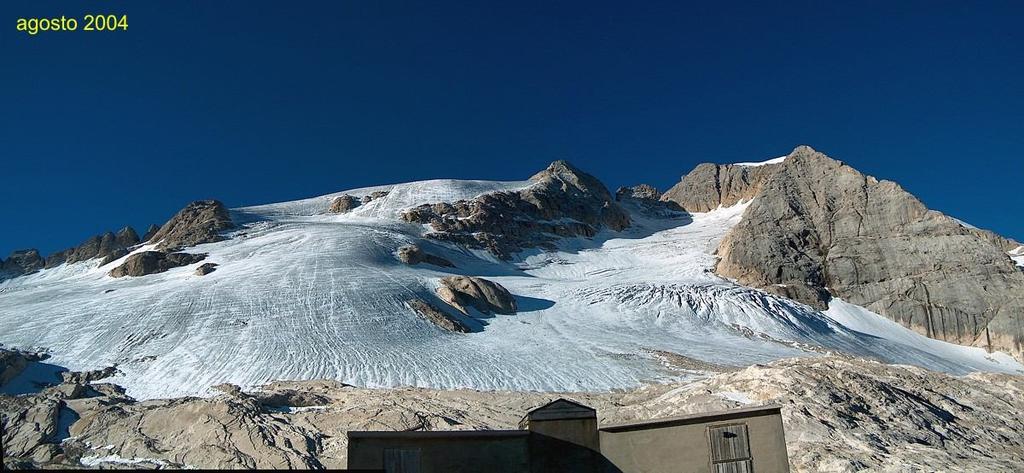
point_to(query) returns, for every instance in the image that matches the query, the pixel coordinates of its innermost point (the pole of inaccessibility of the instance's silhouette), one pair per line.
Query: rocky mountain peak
(570, 178)
(199, 222)
(127, 236)
(562, 202)
(818, 228)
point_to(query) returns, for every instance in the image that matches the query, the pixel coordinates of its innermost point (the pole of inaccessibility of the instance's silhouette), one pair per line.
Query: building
(564, 436)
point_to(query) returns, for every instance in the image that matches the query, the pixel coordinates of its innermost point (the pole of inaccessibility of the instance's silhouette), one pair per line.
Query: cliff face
(819, 228)
(709, 186)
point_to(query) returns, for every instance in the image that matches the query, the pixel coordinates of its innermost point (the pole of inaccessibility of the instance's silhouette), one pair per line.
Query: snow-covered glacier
(302, 294)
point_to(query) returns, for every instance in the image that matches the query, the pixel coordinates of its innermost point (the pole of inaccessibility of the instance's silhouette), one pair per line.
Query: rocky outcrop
(108, 246)
(153, 228)
(21, 262)
(562, 202)
(639, 191)
(343, 204)
(839, 414)
(818, 228)
(34, 425)
(373, 196)
(206, 268)
(86, 377)
(710, 186)
(13, 362)
(646, 200)
(197, 223)
(431, 313)
(152, 262)
(462, 292)
(413, 254)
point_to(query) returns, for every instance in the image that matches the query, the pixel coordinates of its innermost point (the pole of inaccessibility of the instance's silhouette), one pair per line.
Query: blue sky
(255, 102)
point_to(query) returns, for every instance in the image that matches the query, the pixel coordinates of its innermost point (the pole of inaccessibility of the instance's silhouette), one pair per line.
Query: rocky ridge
(199, 222)
(108, 246)
(562, 202)
(21, 262)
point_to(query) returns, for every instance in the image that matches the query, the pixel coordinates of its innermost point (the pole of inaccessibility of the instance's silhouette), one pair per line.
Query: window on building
(730, 449)
(401, 460)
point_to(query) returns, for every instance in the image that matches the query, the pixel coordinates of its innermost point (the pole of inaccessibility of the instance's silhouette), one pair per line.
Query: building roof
(699, 418)
(559, 409)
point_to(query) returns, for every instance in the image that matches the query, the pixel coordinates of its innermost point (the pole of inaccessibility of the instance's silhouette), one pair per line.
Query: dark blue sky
(255, 102)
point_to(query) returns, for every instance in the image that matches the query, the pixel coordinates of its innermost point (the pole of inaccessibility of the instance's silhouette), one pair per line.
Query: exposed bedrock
(413, 254)
(437, 316)
(206, 268)
(709, 186)
(152, 262)
(562, 202)
(819, 228)
(13, 362)
(462, 292)
(21, 262)
(343, 204)
(646, 199)
(373, 196)
(108, 246)
(839, 413)
(639, 191)
(197, 223)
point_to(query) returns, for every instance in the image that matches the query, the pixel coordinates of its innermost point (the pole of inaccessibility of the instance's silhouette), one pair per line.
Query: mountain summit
(817, 228)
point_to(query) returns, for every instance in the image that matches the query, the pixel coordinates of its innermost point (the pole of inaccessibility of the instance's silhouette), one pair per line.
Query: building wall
(567, 446)
(446, 454)
(684, 447)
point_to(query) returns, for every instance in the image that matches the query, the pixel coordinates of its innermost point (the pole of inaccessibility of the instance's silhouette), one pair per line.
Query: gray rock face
(86, 377)
(343, 204)
(709, 186)
(21, 262)
(639, 191)
(413, 254)
(152, 262)
(563, 202)
(485, 296)
(108, 246)
(372, 196)
(206, 268)
(818, 228)
(433, 314)
(197, 223)
(32, 424)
